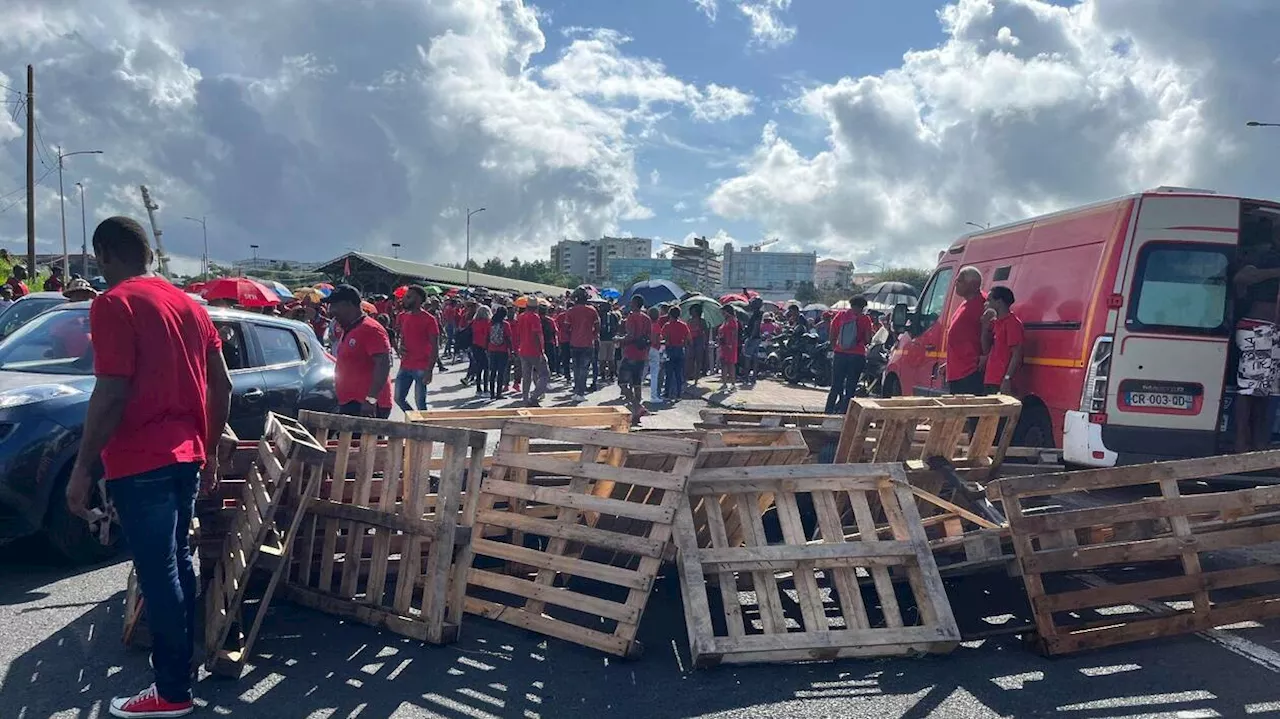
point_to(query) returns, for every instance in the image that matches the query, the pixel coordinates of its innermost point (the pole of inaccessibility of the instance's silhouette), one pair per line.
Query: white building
(589, 259)
(832, 274)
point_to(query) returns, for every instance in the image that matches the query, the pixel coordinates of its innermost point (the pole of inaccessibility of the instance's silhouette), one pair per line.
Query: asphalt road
(61, 656)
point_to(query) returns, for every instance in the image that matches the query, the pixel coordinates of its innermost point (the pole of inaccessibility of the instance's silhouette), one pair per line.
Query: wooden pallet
(820, 431)
(829, 617)
(886, 430)
(565, 594)
(617, 419)
(384, 541)
(1152, 547)
(284, 453)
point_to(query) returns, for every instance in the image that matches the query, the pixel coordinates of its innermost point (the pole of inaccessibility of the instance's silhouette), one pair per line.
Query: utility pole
(162, 262)
(62, 205)
(84, 238)
(204, 232)
(467, 266)
(31, 171)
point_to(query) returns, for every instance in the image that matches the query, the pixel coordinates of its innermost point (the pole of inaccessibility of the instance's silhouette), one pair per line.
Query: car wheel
(1034, 429)
(70, 536)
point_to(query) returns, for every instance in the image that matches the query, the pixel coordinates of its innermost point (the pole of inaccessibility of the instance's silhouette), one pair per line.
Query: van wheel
(1034, 429)
(891, 387)
(69, 535)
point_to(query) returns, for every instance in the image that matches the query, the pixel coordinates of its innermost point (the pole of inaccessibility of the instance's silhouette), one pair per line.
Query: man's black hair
(859, 302)
(637, 301)
(122, 239)
(1002, 293)
(674, 311)
(419, 291)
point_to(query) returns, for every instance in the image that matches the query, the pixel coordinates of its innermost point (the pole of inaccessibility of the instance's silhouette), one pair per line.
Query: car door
(248, 394)
(924, 355)
(282, 355)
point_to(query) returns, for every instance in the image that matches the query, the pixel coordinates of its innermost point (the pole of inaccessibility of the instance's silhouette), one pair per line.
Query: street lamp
(395, 249)
(84, 237)
(255, 257)
(467, 264)
(204, 230)
(980, 227)
(1254, 123)
(62, 205)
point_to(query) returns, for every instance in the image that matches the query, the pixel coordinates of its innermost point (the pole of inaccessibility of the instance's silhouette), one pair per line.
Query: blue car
(46, 377)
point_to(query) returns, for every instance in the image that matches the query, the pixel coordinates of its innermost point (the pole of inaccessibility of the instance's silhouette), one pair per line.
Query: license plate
(1160, 399)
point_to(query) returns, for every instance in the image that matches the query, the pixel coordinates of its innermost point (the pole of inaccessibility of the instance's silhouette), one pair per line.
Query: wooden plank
(1109, 478)
(633, 442)
(588, 470)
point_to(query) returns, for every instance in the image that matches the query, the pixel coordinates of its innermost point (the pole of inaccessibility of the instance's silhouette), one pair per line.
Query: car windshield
(19, 313)
(52, 343)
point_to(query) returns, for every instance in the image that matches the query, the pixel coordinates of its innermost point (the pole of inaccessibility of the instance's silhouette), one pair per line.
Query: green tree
(494, 266)
(910, 275)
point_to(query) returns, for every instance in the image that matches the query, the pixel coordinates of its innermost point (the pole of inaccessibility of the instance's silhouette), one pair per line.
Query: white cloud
(764, 19)
(680, 206)
(708, 8)
(1027, 106)
(655, 177)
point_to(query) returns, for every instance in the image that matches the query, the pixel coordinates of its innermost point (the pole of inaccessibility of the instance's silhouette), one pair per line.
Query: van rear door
(1172, 329)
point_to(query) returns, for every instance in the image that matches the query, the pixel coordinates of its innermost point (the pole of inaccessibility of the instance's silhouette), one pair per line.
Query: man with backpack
(851, 330)
(638, 336)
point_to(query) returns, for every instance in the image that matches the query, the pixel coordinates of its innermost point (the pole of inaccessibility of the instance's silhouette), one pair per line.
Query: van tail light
(1093, 398)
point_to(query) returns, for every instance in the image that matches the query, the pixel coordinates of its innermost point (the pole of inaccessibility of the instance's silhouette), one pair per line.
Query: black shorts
(631, 372)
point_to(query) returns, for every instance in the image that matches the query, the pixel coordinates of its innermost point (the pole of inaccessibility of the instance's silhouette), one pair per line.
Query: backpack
(847, 338)
(497, 335)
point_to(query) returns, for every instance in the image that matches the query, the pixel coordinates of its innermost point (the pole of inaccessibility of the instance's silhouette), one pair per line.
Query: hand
(209, 475)
(78, 488)
(1006, 387)
(982, 363)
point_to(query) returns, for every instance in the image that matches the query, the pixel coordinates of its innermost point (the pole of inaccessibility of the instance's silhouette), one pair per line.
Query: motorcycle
(805, 358)
(871, 384)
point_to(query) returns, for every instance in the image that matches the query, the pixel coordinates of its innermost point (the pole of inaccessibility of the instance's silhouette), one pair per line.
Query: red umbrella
(241, 290)
(401, 291)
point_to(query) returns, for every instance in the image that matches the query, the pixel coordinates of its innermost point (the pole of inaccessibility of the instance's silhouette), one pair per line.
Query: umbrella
(711, 311)
(655, 291)
(241, 290)
(733, 297)
(841, 305)
(610, 293)
(368, 308)
(401, 291)
(815, 307)
(308, 294)
(891, 293)
(591, 289)
(281, 291)
(431, 290)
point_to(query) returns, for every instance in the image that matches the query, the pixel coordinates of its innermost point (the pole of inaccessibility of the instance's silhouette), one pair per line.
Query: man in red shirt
(637, 336)
(361, 378)
(964, 335)
(15, 282)
(584, 330)
(54, 283)
(159, 406)
(419, 338)
(531, 349)
(1001, 342)
(675, 338)
(850, 332)
(562, 362)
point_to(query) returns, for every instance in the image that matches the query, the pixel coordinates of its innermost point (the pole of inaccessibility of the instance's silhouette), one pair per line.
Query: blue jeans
(417, 379)
(155, 513)
(675, 372)
(846, 371)
(581, 364)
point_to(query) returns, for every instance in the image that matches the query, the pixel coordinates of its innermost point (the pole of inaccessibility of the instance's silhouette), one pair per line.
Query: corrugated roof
(440, 275)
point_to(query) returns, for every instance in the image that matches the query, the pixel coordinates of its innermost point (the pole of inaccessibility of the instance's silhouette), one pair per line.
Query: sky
(864, 130)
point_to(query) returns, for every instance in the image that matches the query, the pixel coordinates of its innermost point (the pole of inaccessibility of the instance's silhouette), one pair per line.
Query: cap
(343, 293)
(522, 302)
(79, 285)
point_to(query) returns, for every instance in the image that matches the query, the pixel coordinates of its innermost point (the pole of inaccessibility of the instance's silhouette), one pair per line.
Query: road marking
(1256, 653)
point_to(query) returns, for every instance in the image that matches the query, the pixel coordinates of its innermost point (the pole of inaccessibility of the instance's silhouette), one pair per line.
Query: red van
(1129, 316)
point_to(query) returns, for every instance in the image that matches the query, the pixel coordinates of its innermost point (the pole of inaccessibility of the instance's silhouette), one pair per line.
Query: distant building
(589, 259)
(622, 270)
(696, 267)
(251, 265)
(377, 274)
(864, 278)
(832, 274)
(775, 275)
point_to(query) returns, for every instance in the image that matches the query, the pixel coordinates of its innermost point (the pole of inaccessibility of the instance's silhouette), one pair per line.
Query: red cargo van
(1129, 315)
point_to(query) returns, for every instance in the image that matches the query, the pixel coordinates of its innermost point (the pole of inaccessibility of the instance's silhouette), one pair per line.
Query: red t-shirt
(562, 327)
(1006, 333)
(864, 332)
(675, 333)
(529, 334)
(19, 287)
(584, 326)
(964, 338)
(507, 333)
(729, 340)
(420, 334)
(637, 325)
(451, 315)
(53, 284)
(149, 332)
(480, 333)
(355, 351)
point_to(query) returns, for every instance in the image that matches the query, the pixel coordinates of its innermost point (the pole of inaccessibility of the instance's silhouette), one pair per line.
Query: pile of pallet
(562, 526)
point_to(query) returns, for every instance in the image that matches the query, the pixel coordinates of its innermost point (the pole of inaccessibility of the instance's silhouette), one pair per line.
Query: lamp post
(984, 228)
(204, 231)
(255, 257)
(1255, 123)
(62, 205)
(467, 264)
(395, 249)
(84, 237)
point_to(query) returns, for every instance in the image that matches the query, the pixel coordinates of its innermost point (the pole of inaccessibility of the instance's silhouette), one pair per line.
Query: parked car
(26, 308)
(46, 377)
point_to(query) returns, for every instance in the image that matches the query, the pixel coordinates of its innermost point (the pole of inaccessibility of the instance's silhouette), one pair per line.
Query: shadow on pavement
(309, 664)
(28, 565)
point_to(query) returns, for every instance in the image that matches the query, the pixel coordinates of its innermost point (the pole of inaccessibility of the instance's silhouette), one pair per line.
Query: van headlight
(35, 393)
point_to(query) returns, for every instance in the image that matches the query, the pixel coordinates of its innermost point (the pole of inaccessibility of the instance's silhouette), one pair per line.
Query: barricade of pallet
(564, 593)
(260, 537)
(617, 419)
(820, 431)
(1141, 559)
(383, 541)
(829, 617)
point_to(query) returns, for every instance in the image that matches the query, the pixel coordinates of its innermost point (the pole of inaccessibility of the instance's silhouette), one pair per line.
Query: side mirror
(900, 316)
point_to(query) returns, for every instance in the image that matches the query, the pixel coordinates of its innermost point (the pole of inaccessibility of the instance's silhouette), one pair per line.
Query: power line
(42, 146)
(11, 205)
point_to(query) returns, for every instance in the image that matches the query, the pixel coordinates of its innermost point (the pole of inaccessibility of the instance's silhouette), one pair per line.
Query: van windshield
(1181, 288)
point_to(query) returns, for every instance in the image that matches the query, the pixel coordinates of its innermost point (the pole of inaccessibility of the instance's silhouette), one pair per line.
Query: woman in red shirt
(729, 348)
(695, 361)
(480, 348)
(675, 338)
(499, 339)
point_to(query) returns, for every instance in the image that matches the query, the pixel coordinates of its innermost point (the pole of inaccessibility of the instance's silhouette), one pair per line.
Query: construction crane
(162, 260)
(761, 245)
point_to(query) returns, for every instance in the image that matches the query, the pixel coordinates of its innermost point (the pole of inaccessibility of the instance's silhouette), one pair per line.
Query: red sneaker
(148, 703)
